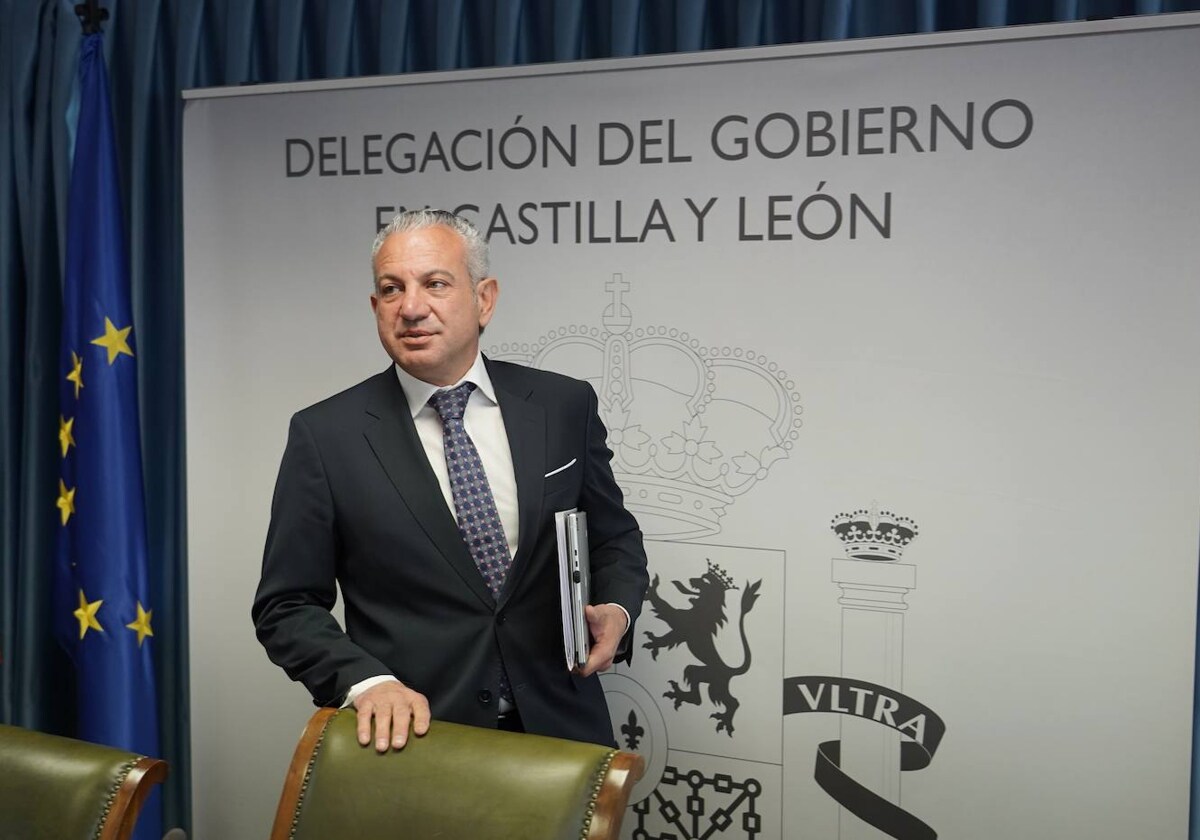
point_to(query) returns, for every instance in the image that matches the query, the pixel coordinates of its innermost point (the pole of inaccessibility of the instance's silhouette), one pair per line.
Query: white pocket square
(570, 463)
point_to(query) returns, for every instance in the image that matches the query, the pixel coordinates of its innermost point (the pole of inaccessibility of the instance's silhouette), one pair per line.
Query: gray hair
(475, 247)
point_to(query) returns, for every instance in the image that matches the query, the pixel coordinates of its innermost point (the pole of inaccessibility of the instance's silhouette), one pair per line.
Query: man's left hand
(607, 625)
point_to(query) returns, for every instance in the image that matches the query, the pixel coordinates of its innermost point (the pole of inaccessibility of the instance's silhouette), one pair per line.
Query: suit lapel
(393, 438)
(525, 425)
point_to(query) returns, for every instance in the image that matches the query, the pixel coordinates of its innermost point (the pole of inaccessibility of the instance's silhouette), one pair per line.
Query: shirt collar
(418, 392)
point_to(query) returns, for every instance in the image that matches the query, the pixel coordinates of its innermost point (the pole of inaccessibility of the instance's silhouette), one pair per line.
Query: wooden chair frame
(130, 796)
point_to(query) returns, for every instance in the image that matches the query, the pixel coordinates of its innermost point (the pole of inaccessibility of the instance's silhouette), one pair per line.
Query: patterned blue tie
(478, 520)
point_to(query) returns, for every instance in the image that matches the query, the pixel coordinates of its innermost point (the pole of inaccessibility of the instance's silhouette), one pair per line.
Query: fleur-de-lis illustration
(632, 732)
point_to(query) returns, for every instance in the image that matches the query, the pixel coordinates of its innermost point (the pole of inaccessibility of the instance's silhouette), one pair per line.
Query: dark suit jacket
(357, 501)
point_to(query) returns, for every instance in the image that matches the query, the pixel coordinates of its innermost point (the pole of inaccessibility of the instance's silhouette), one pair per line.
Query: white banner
(897, 346)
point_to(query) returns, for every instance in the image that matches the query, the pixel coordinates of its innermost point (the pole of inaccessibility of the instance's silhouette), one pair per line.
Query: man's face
(428, 316)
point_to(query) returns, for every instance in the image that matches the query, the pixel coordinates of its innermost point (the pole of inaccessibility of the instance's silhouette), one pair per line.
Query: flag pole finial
(90, 16)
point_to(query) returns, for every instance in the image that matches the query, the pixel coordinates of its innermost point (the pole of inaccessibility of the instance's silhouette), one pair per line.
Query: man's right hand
(392, 706)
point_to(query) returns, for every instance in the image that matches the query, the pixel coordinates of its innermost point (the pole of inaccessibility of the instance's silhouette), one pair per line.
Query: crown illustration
(721, 576)
(874, 534)
(690, 427)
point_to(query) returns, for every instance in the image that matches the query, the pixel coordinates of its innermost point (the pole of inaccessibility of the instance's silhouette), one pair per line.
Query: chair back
(455, 782)
(61, 788)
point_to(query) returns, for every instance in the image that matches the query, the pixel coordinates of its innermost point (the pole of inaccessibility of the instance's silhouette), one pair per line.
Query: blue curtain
(155, 49)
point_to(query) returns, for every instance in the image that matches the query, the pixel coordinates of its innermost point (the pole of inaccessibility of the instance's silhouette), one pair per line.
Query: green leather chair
(454, 783)
(54, 788)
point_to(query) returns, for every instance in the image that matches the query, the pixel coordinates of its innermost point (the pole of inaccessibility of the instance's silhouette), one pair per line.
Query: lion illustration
(696, 626)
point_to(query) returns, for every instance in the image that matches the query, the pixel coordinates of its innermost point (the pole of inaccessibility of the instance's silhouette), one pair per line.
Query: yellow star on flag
(114, 340)
(142, 625)
(87, 615)
(66, 501)
(65, 438)
(76, 374)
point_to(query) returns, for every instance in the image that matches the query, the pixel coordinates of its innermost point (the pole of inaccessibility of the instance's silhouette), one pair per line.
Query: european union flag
(104, 611)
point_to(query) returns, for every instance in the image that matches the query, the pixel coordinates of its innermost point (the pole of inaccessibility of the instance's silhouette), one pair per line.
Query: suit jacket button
(500, 619)
(485, 697)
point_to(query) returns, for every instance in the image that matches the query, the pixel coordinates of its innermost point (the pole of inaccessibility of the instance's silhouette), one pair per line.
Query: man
(436, 626)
